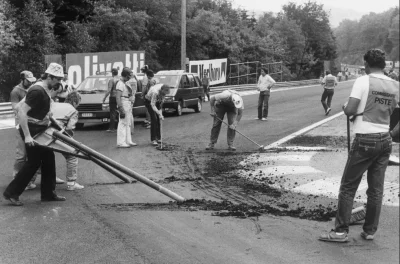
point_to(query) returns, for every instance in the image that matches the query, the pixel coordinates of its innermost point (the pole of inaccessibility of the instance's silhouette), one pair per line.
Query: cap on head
(114, 71)
(237, 100)
(126, 72)
(56, 70)
(28, 75)
(362, 68)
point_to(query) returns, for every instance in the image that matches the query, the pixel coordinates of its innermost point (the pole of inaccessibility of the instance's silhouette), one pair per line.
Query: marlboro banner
(214, 69)
(82, 65)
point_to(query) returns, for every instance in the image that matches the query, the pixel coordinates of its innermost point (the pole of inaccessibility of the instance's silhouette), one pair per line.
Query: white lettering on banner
(214, 69)
(82, 65)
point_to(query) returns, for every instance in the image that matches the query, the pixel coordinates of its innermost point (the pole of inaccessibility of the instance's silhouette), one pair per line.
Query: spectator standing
(124, 101)
(329, 83)
(145, 81)
(363, 71)
(228, 102)
(264, 85)
(393, 75)
(33, 115)
(153, 101)
(112, 101)
(339, 76)
(206, 85)
(66, 89)
(346, 74)
(372, 145)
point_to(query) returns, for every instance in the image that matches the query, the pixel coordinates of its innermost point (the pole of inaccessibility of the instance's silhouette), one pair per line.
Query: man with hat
(231, 103)
(33, 116)
(112, 101)
(362, 71)
(19, 92)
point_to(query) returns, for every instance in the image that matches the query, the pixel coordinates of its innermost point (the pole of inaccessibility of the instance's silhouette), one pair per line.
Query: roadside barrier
(6, 109)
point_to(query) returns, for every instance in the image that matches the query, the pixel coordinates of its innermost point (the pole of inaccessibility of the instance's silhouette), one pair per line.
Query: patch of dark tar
(319, 141)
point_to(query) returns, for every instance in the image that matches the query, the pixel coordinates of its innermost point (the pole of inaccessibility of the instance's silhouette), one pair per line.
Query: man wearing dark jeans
(206, 85)
(112, 101)
(264, 85)
(153, 102)
(329, 82)
(33, 117)
(372, 101)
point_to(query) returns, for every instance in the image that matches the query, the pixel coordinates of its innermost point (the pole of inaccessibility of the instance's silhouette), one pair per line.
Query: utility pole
(183, 36)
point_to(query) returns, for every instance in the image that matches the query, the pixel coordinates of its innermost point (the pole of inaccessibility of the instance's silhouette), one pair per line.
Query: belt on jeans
(126, 96)
(374, 135)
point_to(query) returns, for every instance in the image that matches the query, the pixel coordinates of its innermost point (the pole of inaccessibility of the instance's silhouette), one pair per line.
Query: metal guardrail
(6, 109)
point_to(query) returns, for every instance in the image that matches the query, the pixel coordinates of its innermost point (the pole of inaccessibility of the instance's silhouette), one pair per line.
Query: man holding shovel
(231, 103)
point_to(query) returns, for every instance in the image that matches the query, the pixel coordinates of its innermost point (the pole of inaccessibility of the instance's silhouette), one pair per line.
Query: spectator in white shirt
(264, 85)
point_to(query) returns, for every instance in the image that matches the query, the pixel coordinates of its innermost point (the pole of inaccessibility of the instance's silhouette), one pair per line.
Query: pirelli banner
(82, 65)
(214, 69)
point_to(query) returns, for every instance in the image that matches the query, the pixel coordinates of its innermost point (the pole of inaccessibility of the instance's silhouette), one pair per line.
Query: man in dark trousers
(329, 83)
(372, 101)
(206, 85)
(228, 102)
(34, 116)
(112, 101)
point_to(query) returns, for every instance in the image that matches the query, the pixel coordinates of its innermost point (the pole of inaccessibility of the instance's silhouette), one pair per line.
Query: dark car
(186, 90)
(92, 109)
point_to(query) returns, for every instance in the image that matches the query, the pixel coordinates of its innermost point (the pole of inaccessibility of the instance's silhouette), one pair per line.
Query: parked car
(186, 90)
(92, 109)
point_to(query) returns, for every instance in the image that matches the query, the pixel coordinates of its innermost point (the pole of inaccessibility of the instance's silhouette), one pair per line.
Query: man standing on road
(206, 85)
(339, 76)
(329, 82)
(372, 101)
(33, 117)
(112, 101)
(231, 103)
(17, 94)
(264, 85)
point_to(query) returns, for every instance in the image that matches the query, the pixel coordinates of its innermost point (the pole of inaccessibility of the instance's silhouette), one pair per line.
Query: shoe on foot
(366, 236)
(263, 119)
(132, 144)
(154, 143)
(332, 236)
(72, 186)
(257, 118)
(231, 148)
(13, 201)
(210, 146)
(123, 146)
(111, 130)
(327, 111)
(30, 186)
(59, 181)
(54, 198)
(148, 126)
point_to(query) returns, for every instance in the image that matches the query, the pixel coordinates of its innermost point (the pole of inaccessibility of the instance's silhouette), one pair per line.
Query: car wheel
(79, 125)
(179, 109)
(199, 106)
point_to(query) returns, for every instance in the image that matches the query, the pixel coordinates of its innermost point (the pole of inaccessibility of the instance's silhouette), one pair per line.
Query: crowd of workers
(373, 99)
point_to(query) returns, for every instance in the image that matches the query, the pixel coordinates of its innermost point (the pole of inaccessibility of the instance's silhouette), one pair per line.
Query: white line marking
(302, 131)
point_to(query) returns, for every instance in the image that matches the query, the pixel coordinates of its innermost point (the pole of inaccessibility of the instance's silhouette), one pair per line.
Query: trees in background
(300, 35)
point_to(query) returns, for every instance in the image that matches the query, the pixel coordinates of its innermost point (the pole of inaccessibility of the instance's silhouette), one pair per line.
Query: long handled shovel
(260, 147)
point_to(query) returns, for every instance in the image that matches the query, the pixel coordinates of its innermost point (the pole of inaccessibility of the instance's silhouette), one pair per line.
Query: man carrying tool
(231, 103)
(329, 82)
(372, 101)
(34, 118)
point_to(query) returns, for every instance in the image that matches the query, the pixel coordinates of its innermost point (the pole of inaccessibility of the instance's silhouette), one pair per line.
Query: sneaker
(132, 144)
(148, 126)
(257, 118)
(327, 111)
(332, 236)
(13, 201)
(366, 236)
(123, 146)
(263, 119)
(210, 146)
(111, 130)
(59, 181)
(154, 143)
(30, 186)
(231, 148)
(72, 186)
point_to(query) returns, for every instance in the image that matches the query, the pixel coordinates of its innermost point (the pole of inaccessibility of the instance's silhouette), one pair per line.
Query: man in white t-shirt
(371, 103)
(329, 83)
(264, 85)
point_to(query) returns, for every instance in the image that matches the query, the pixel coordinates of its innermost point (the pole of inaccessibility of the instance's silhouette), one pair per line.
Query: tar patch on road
(306, 140)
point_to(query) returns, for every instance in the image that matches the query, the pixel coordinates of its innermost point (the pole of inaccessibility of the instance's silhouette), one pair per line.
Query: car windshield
(94, 85)
(170, 80)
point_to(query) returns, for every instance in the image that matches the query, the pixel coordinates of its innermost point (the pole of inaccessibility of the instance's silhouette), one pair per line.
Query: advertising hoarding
(82, 65)
(214, 69)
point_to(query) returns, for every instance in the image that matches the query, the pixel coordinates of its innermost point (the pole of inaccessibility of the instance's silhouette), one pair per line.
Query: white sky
(364, 6)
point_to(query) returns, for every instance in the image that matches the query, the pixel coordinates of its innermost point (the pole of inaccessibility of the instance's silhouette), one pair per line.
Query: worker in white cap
(231, 103)
(362, 71)
(33, 114)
